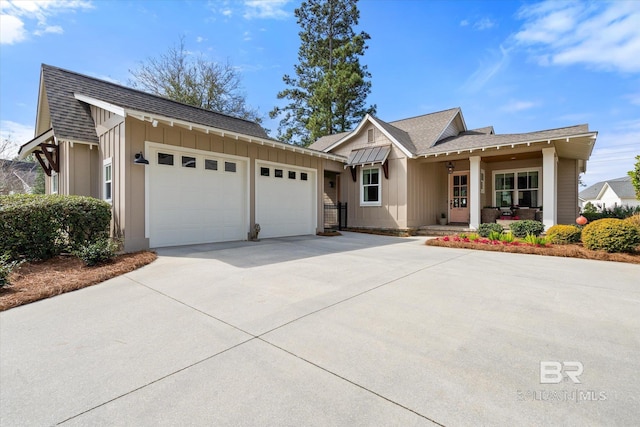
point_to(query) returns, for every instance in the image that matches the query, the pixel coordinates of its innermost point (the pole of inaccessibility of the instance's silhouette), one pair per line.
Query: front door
(459, 197)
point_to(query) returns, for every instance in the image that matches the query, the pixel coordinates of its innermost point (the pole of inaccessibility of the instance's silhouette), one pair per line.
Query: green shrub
(621, 212)
(6, 267)
(526, 226)
(98, 252)
(39, 227)
(564, 234)
(487, 228)
(611, 235)
(634, 220)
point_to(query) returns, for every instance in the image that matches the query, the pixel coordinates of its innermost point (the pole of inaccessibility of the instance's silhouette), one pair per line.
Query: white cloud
(18, 16)
(200, 39)
(464, 23)
(17, 133)
(51, 29)
(246, 36)
(486, 70)
(515, 106)
(265, 9)
(227, 12)
(484, 24)
(601, 35)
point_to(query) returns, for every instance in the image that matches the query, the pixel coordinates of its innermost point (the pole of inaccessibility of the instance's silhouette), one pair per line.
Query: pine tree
(329, 92)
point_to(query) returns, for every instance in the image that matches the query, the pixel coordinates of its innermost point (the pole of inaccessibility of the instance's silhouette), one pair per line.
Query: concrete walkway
(349, 330)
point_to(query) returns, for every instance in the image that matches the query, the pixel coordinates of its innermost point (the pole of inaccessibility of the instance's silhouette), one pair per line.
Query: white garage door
(285, 200)
(195, 197)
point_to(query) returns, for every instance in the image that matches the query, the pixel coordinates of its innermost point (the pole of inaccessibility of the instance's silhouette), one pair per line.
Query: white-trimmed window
(54, 182)
(371, 136)
(107, 174)
(519, 187)
(370, 188)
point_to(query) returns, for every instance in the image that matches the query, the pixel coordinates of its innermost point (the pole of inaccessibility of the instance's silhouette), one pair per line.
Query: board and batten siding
(393, 210)
(426, 192)
(567, 188)
(110, 129)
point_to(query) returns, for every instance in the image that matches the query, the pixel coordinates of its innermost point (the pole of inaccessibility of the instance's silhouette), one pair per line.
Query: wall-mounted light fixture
(450, 168)
(332, 184)
(154, 123)
(140, 160)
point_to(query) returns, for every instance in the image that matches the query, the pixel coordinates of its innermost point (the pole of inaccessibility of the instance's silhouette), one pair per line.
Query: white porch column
(549, 187)
(474, 192)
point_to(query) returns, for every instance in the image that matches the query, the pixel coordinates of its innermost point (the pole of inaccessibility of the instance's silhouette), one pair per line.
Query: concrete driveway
(350, 330)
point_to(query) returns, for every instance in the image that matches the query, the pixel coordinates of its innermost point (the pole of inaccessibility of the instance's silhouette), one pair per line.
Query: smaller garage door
(286, 202)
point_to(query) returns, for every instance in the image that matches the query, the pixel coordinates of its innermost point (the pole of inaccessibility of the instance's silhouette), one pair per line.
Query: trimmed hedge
(485, 229)
(611, 235)
(525, 227)
(634, 220)
(34, 226)
(564, 234)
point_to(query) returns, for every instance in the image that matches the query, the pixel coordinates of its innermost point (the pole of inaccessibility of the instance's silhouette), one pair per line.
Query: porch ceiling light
(140, 160)
(450, 167)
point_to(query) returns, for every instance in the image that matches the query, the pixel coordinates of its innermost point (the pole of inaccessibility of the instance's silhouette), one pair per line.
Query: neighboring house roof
(445, 132)
(621, 186)
(16, 176)
(71, 118)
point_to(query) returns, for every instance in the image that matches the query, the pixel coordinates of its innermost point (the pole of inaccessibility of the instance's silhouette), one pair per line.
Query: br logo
(553, 372)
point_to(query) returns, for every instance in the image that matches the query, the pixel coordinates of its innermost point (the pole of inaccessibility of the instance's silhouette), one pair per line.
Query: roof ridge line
(146, 93)
(427, 114)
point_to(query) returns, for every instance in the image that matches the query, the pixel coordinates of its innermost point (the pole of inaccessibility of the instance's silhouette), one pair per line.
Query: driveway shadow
(277, 250)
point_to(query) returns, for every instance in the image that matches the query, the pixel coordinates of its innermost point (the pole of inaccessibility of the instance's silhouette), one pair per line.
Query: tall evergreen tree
(329, 92)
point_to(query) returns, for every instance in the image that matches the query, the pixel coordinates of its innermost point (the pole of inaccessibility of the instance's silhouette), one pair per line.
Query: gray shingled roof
(71, 119)
(419, 135)
(398, 134)
(327, 141)
(474, 139)
(416, 133)
(424, 130)
(621, 186)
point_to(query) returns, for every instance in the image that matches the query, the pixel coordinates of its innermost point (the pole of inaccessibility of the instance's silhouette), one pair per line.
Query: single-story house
(610, 193)
(175, 174)
(408, 173)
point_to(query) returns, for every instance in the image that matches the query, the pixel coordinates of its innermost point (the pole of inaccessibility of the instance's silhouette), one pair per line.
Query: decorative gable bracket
(51, 153)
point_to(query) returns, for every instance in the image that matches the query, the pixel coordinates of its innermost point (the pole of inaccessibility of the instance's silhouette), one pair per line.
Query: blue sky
(517, 65)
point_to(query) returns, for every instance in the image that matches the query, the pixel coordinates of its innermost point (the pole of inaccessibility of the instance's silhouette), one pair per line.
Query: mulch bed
(34, 281)
(569, 251)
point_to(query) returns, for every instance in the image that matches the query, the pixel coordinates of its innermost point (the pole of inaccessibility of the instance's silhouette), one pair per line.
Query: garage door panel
(196, 205)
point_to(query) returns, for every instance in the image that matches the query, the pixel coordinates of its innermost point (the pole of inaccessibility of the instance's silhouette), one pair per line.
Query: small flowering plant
(497, 239)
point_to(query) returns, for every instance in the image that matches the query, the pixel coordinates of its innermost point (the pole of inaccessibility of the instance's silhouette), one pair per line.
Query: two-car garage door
(202, 197)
